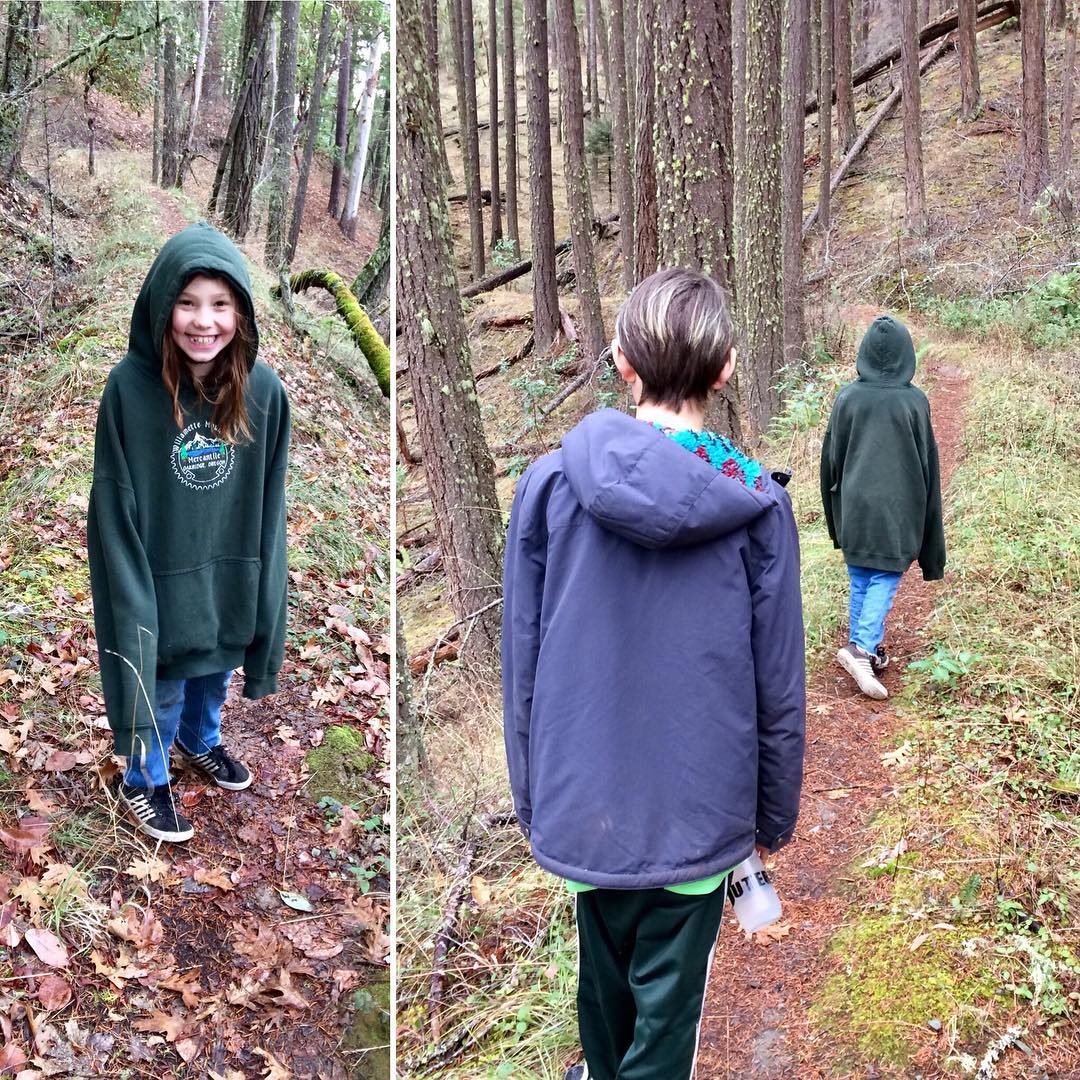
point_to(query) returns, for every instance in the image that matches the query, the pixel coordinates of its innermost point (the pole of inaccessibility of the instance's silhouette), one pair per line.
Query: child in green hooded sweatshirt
(881, 489)
(186, 527)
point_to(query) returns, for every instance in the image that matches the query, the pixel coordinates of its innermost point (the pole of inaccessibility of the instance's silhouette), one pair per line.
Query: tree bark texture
(282, 138)
(793, 151)
(1068, 91)
(738, 118)
(1055, 14)
(758, 265)
(510, 118)
(1034, 133)
(155, 152)
(604, 54)
(576, 170)
(22, 23)
(460, 472)
(363, 137)
(646, 238)
(196, 94)
(969, 59)
(170, 136)
(312, 133)
(341, 120)
(541, 199)
(825, 82)
(621, 131)
(914, 189)
(493, 128)
(471, 141)
(630, 45)
(845, 96)
(592, 75)
(266, 120)
(214, 78)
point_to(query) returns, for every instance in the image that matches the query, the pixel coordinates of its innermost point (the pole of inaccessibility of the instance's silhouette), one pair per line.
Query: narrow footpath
(755, 1024)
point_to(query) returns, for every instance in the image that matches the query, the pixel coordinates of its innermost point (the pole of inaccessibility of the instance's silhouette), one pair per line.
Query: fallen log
(883, 110)
(989, 14)
(494, 369)
(427, 565)
(505, 322)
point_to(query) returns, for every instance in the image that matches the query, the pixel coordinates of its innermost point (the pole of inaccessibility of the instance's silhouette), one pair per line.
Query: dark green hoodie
(186, 533)
(880, 482)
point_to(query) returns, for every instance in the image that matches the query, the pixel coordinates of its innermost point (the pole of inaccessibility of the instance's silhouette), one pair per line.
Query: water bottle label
(737, 888)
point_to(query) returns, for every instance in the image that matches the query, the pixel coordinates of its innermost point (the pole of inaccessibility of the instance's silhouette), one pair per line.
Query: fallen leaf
(169, 1024)
(274, 1069)
(899, 757)
(345, 979)
(39, 803)
(139, 927)
(774, 932)
(53, 993)
(188, 1048)
(839, 793)
(30, 832)
(920, 940)
(215, 876)
(188, 986)
(11, 1057)
(49, 949)
(887, 855)
(481, 891)
(297, 901)
(60, 761)
(261, 989)
(150, 868)
(10, 934)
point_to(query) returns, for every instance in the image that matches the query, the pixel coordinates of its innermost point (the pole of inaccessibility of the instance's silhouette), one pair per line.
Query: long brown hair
(224, 386)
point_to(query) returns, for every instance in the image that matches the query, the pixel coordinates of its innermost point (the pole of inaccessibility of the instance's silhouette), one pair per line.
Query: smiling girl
(186, 529)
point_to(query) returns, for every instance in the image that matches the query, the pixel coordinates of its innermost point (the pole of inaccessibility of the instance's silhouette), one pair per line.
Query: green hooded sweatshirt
(185, 532)
(880, 482)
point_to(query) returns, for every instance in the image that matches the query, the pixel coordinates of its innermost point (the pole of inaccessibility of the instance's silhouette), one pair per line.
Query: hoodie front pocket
(206, 607)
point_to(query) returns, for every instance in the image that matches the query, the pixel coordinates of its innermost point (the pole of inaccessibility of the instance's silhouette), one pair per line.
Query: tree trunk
(541, 200)
(266, 119)
(914, 191)
(170, 139)
(824, 93)
(314, 110)
(796, 55)
(409, 735)
(576, 170)
(1055, 16)
(510, 109)
(622, 153)
(647, 238)
(282, 137)
(19, 50)
(604, 55)
(155, 151)
(758, 265)
(845, 97)
(1034, 134)
(693, 146)
(196, 97)
(1068, 89)
(369, 283)
(815, 43)
(244, 145)
(738, 142)
(341, 121)
(630, 45)
(431, 32)
(471, 142)
(493, 128)
(969, 59)
(363, 138)
(925, 13)
(214, 79)
(460, 472)
(88, 107)
(592, 77)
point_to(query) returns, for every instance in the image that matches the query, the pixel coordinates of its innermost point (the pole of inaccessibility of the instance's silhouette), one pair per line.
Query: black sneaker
(577, 1072)
(880, 660)
(154, 812)
(219, 765)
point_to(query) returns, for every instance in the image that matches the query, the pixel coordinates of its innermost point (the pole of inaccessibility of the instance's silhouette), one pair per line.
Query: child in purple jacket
(653, 677)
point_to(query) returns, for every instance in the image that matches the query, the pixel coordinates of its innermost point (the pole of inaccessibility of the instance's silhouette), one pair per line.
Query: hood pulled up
(886, 353)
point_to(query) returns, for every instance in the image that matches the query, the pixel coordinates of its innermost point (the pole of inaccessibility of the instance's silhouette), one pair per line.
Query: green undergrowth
(965, 902)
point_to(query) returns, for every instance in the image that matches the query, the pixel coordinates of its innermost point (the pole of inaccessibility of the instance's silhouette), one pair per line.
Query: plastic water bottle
(752, 895)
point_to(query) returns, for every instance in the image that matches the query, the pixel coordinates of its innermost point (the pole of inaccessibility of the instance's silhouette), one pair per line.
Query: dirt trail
(755, 1022)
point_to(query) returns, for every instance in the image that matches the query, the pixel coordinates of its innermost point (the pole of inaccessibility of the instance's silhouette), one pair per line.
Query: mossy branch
(365, 335)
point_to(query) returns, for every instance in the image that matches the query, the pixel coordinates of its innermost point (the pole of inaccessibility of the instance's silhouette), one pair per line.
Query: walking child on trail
(653, 677)
(881, 488)
(186, 526)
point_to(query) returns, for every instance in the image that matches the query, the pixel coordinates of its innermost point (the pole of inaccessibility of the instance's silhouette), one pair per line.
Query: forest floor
(260, 948)
(930, 895)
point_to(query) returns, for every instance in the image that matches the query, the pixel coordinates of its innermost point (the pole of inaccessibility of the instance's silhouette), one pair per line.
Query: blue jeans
(872, 594)
(188, 709)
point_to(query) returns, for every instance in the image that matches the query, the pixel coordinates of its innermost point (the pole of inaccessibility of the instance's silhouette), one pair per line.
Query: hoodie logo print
(201, 459)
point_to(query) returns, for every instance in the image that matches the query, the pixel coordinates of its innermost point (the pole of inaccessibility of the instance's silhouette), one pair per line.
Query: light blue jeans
(188, 709)
(872, 595)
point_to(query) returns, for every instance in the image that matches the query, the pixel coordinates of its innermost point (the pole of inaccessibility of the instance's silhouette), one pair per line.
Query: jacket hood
(635, 481)
(886, 354)
(199, 248)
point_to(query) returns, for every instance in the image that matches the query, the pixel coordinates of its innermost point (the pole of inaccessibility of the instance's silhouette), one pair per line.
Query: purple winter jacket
(652, 660)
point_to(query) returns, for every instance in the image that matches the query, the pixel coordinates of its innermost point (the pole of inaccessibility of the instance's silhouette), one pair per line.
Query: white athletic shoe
(859, 664)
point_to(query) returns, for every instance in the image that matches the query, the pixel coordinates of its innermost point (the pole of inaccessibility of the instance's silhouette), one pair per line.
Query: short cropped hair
(675, 331)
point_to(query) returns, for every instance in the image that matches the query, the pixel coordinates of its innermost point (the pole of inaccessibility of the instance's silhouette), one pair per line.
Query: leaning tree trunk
(796, 49)
(969, 58)
(170, 139)
(196, 96)
(646, 239)
(460, 472)
(341, 121)
(622, 154)
(914, 189)
(282, 136)
(363, 138)
(576, 170)
(314, 109)
(541, 199)
(493, 123)
(693, 139)
(758, 265)
(368, 285)
(824, 94)
(845, 97)
(510, 110)
(1034, 134)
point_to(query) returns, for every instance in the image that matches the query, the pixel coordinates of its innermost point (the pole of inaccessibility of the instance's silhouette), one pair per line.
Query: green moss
(876, 1009)
(369, 1030)
(340, 767)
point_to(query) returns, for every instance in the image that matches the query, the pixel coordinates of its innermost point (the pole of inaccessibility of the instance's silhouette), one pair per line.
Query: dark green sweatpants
(644, 959)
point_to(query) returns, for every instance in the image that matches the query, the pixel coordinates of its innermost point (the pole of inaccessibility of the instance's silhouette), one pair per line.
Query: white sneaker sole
(867, 683)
